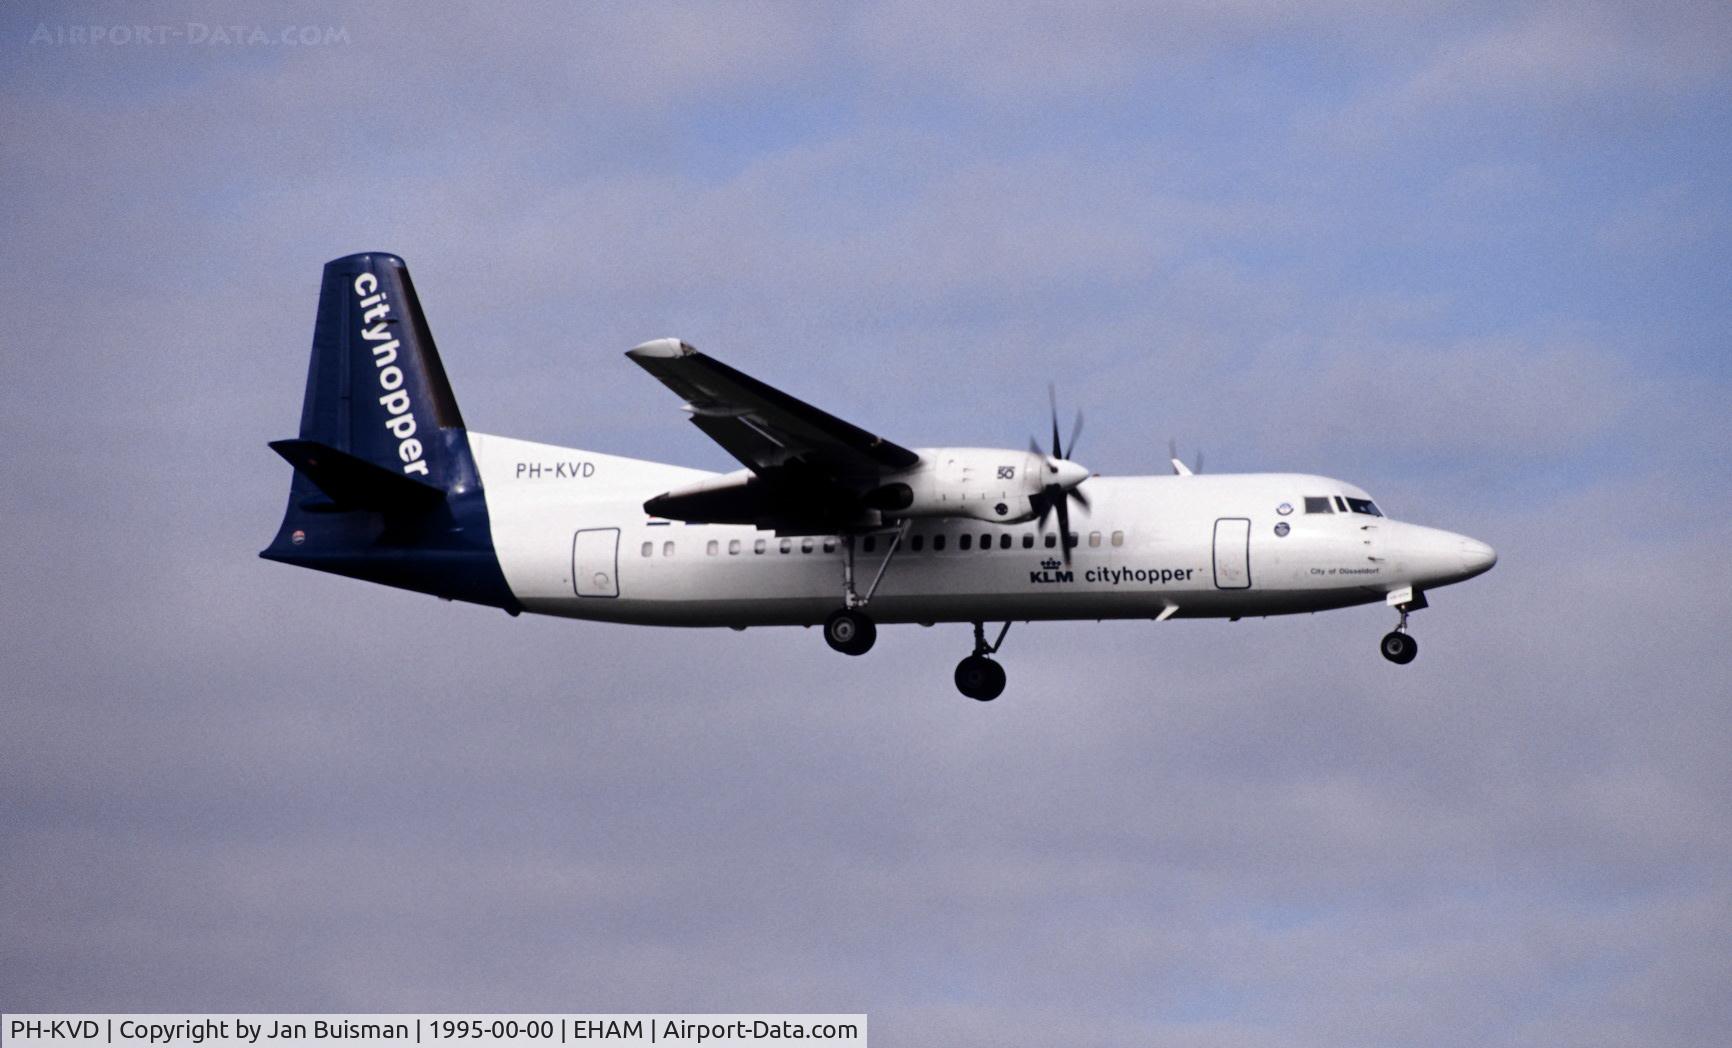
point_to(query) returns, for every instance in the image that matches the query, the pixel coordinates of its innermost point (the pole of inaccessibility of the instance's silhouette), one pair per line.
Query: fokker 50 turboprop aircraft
(826, 524)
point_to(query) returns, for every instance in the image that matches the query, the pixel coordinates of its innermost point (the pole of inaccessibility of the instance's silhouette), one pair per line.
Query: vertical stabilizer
(385, 487)
(376, 388)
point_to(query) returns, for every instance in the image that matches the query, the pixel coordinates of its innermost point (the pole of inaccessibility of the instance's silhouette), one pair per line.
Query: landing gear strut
(1397, 646)
(977, 676)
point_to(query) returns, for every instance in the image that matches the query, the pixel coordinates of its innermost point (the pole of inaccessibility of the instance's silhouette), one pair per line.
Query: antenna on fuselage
(1179, 467)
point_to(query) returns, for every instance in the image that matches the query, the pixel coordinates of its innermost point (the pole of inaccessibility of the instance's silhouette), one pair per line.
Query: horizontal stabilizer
(355, 483)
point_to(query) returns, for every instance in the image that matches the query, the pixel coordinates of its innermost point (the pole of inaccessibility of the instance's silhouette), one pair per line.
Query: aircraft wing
(769, 431)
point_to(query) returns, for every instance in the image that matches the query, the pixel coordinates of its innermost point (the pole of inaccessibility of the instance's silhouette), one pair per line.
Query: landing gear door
(595, 562)
(1233, 553)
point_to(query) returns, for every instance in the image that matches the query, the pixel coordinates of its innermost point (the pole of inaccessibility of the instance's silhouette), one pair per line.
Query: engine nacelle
(991, 484)
(998, 485)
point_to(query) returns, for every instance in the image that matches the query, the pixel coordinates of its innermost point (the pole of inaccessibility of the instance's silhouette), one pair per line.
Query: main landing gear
(849, 629)
(977, 676)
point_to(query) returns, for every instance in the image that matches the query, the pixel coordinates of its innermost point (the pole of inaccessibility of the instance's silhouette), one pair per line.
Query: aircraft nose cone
(1434, 557)
(1476, 557)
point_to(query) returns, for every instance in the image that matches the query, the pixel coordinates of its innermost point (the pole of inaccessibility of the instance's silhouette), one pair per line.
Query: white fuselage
(573, 539)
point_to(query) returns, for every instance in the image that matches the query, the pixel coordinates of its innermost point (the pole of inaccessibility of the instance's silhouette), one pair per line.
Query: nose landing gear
(1398, 646)
(977, 676)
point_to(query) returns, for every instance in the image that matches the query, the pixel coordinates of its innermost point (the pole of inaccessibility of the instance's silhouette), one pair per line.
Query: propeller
(1062, 476)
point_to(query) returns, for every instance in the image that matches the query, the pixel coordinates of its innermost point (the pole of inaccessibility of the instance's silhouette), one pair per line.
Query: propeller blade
(1082, 500)
(1052, 400)
(1075, 432)
(1042, 501)
(1063, 505)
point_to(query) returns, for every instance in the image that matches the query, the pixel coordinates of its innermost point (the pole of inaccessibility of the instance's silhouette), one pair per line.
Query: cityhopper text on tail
(825, 525)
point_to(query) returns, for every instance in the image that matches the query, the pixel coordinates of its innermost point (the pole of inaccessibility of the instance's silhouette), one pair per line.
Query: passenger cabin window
(786, 545)
(712, 548)
(1004, 541)
(1050, 541)
(937, 543)
(829, 545)
(1094, 539)
(649, 548)
(805, 545)
(985, 542)
(759, 546)
(869, 543)
(1365, 506)
(733, 547)
(1317, 504)
(1028, 542)
(1118, 538)
(667, 549)
(918, 542)
(965, 542)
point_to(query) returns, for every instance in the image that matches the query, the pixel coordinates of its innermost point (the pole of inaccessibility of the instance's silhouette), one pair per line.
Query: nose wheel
(1399, 648)
(978, 676)
(850, 632)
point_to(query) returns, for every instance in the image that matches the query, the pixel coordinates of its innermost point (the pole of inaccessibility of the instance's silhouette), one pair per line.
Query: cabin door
(1233, 553)
(595, 562)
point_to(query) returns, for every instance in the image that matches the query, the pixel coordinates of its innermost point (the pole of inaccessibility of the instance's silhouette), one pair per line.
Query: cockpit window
(1365, 506)
(1317, 504)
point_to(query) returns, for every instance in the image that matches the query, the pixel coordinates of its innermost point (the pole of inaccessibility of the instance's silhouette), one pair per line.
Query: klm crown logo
(1050, 572)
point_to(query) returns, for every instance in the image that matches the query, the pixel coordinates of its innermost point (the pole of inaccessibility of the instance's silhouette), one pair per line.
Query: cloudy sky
(1471, 256)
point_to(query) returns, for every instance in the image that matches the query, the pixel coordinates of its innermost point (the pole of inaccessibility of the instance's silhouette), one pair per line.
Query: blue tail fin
(385, 486)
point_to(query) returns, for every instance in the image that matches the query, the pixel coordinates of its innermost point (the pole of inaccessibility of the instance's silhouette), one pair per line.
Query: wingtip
(660, 348)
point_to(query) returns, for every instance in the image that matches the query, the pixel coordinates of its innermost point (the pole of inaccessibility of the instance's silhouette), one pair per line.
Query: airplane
(826, 524)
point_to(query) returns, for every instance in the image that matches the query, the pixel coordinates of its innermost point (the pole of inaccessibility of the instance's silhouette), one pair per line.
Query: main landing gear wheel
(980, 678)
(850, 632)
(977, 676)
(1399, 648)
